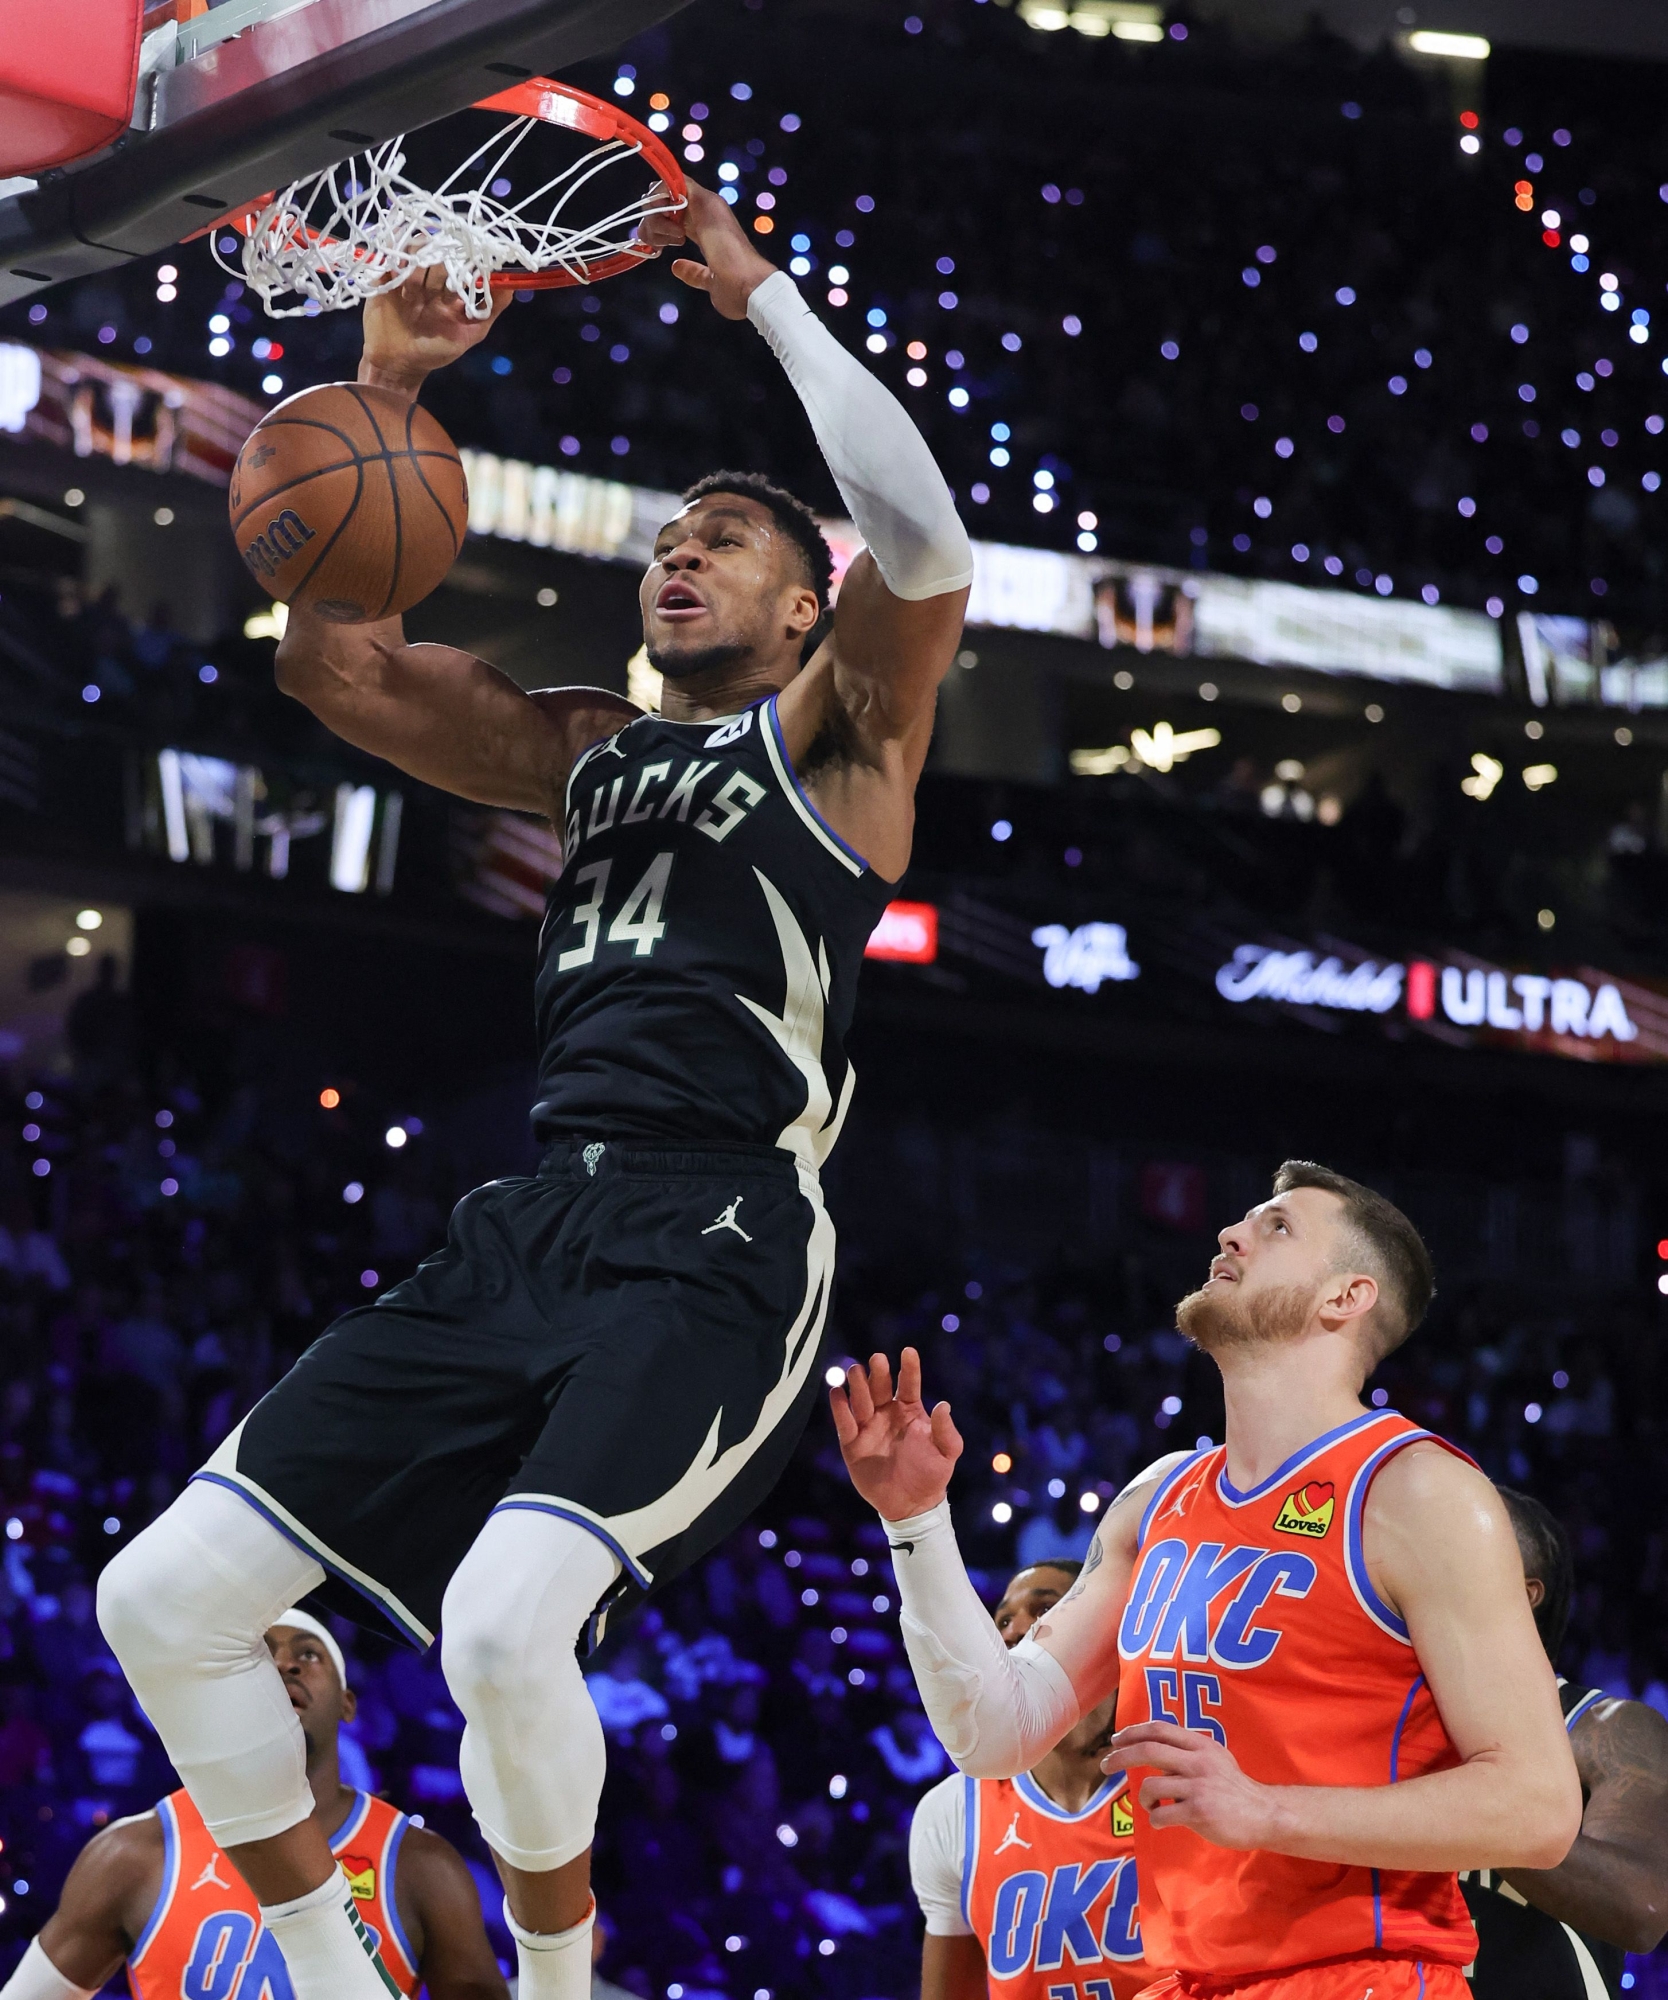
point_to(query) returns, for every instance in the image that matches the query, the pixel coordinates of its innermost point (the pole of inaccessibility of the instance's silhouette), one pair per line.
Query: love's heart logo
(1308, 1510)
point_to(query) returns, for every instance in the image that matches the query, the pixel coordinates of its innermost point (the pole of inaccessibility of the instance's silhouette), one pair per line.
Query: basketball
(349, 501)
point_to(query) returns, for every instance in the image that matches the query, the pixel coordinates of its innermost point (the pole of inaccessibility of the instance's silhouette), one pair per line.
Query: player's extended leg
(532, 1756)
(185, 1607)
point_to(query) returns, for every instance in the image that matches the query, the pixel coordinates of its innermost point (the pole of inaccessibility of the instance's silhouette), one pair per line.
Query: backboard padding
(290, 97)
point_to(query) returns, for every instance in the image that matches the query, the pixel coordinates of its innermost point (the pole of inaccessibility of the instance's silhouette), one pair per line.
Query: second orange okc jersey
(1251, 1616)
(1051, 1894)
(205, 1939)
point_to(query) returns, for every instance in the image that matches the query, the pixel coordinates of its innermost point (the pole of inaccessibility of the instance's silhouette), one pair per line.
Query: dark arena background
(1301, 790)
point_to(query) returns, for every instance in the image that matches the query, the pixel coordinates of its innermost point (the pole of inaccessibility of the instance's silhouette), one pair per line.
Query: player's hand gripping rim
(733, 270)
(900, 1455)
(1196, 1782)
(418, 326)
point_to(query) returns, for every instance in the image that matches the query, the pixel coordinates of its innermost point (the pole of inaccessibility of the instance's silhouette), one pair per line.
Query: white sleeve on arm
(886, 475)
(937, 1849)
(37, 1978)
(996, 1711)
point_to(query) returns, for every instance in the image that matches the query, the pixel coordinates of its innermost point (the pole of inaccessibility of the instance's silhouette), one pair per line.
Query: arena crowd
(1292, 309)
(164, 1255)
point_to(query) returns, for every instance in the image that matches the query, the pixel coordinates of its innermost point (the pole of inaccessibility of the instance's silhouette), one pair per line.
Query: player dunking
(607, 1365)
(1318, 1633)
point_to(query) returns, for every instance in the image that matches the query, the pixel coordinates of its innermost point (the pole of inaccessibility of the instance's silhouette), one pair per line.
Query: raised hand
(1196, 1782)
(900, 1455)
(733, 268)
(418, 327)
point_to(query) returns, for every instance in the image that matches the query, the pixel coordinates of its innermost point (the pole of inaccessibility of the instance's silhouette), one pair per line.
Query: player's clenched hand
(1194, 1781)
(899, 1454)
(418, 327)
(733, 269)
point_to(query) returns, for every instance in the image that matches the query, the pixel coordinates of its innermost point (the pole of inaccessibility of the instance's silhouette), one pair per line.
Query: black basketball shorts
(628, 1339)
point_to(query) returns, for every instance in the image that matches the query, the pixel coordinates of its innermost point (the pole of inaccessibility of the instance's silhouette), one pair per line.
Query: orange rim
(561, 104)
(551, 103)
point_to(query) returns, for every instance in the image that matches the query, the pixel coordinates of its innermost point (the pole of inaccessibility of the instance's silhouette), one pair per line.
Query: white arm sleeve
(937, 1849)
(886, 475)
(37, 1978)
(996, 1711)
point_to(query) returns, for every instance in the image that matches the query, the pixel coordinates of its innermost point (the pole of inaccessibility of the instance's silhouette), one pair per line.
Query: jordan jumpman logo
(1011, 1838)
(209, 1878)
(728, 1221)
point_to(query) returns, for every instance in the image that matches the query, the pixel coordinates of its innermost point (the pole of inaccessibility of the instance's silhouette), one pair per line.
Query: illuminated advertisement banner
(907, 933)
(1085, 957)
(552, 509)
(129, 415)
(1046, 590)
(211, 812)
(1336, 632)
(1579, 1012)
(505, 862)
(169, 423)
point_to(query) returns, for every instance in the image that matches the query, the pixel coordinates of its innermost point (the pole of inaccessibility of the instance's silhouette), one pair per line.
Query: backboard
(253, 94)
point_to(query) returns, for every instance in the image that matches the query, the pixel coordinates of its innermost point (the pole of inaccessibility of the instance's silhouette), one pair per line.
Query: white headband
(304, 1621)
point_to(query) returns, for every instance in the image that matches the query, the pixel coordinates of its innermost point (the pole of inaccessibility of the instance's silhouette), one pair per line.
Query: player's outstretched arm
(995, 1710)
(441, 715)
(106, 1902)
(1613, 1883)
(873, 684)
(1440, 1550)
(441, 1912)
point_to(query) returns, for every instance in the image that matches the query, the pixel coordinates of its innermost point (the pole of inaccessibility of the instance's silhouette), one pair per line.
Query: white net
(364, 227)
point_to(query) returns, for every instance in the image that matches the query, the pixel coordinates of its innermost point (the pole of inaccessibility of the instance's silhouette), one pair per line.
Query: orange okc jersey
(1251, 1617)
(205, 1941)
(1050, 1894)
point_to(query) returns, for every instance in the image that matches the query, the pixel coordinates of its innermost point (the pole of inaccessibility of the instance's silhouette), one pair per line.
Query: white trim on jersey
(798, 1033)
(1592, 1980)
(1039, 1801)
(164, 1810)
(776, 751)
(222, 1470)
(632, 1535)
(1587, 1701)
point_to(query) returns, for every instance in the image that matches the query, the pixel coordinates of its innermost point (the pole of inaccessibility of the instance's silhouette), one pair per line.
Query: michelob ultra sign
(1576, 1011)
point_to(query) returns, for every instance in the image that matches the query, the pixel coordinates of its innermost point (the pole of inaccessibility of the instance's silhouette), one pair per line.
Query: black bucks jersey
(1522, 1953)
(699, 959)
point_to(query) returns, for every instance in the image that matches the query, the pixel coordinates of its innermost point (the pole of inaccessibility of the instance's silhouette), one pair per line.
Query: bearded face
(1220, 1315)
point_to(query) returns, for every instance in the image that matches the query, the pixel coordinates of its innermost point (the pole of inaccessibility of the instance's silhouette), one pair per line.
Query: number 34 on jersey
(637, 918)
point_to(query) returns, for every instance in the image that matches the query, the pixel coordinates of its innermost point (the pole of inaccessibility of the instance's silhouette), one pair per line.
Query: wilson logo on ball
(1308, 1511)
(283, 538)
(349, 502)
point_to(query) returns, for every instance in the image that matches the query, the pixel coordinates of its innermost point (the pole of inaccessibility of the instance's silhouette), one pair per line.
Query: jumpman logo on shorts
(728, 1221)
(208, 1878)
(1012, 1838)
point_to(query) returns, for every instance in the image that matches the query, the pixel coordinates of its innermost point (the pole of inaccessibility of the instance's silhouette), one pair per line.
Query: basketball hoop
(363, 227)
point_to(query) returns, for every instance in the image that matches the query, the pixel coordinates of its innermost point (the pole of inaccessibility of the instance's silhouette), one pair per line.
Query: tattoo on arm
(1623, 1756)
(1614, 1881)
(1091, 1562)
